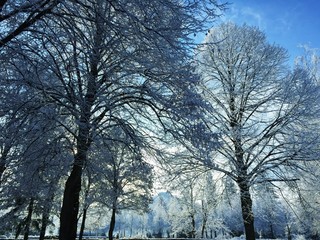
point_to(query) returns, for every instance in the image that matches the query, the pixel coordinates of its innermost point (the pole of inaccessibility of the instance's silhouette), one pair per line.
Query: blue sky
(288, 23)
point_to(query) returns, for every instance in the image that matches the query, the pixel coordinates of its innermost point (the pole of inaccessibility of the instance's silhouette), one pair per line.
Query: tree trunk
(85, 208)
(272, 235)
(28, 220)
(193, 227)
(289, 232)
(246, 207)
(70, 206)
(46, 213)
(44, 221)
(3, 158)
(2, 169)
(112, 223)
(83, 223)
(204, 219)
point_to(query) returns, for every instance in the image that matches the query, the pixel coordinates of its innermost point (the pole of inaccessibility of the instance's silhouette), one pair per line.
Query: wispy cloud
(246, 15)
(252, 15)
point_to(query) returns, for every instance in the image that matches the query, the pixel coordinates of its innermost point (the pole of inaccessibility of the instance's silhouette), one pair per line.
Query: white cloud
(246, 15)
(254, 16)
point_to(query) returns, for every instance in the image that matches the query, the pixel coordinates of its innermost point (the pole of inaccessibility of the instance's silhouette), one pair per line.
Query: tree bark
(44, 224)
(272, 235)
(246, 207)
(83, 223)
(3, 159)
(28, 220)
(204, 219)
(112, 223)
(289, 232)
(46, 213)
(192, 233)
(70, 206)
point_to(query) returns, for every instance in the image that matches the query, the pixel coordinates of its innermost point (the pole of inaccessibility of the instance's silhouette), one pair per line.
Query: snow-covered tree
(305, 204)
(32, 181)
(33, 159)
(193, 209)
(259, 112)
(124, 180)
(310, 61)
(271, 219)
(160, 223)
(106, 63)
(17, 16)
(306, 192)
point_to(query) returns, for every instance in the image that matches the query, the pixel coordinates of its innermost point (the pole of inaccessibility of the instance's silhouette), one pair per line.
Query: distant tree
(160, 215)
(132, 224)
(307, 209)
(209, 198)
(307, 191)
(117, 178)
(188, 202)
(16, 124)
(229, 209)
(270, 212)
(122, 178)
(180, 218)
(303, 211)
(87, 199)
(186, 218)
(310, 61)
(259, 113)
(33, 160)
(201, 198)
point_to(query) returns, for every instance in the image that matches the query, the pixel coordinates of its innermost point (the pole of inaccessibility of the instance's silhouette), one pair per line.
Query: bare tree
(107, 63)
(121, 178)
(259, 112)
(306, 192)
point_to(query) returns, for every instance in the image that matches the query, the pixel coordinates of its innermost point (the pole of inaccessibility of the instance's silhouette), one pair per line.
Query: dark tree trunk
(272, 235)
(83, 223)
(70, 206)
(193, 227)
(289, 232)
(85, 209)
(44, 222)
(204, 220)
(46, 213)
(28, 220)
(203, 228)
(2, 169)
(246, 207)
(3, 161)
(242, 181)
(112, 223)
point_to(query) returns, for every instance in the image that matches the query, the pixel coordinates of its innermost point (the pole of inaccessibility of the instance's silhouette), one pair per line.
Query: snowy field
(296, 237)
